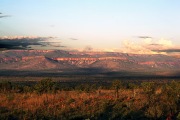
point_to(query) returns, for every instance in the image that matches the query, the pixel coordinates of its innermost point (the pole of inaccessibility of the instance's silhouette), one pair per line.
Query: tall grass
(147, 101)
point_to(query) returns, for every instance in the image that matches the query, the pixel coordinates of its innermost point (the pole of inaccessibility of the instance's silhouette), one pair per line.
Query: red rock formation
(32, 57)
(89, 59)
(6, 59)
(147, 63)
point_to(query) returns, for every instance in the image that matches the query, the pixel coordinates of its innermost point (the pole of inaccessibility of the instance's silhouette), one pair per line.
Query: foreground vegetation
(119, 101)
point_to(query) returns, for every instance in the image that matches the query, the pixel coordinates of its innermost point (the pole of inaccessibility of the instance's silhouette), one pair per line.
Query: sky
(109, 25)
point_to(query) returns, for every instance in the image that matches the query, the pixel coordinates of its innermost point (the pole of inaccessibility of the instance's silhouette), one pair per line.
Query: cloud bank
(26, 42)
(2, 16)
(150, 46)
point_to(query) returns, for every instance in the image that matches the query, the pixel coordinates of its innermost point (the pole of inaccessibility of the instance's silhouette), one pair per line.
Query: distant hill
(56, 60)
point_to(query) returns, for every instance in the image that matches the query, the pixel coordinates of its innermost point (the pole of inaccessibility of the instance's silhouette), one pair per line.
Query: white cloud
(131, 47)
(166, 43)
(147, 46)
(147, 41)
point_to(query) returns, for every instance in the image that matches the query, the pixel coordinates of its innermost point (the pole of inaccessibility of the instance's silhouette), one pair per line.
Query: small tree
(149, 89)
(44, 86)
(6, 86)
(171, 97)
(117, 84)
(133, 87)
(154, 106)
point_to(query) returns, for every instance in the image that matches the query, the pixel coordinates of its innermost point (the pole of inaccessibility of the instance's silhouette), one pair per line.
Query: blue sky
(101, 24)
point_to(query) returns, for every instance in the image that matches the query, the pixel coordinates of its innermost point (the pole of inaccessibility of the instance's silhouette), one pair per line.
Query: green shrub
(10, 96)
(116, 85)
(178, 116)
(27, 89)
(86, 88)
(6, 86)
(45, 86)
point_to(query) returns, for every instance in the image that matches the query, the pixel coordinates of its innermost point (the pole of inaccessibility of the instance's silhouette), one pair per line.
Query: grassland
(117, 100)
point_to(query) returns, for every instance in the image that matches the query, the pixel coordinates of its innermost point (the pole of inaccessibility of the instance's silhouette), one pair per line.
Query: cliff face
(32, 57)
(9, 59)
(90, 58)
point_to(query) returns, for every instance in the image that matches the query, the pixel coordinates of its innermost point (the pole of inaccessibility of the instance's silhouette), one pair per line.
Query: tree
(133, 87)
(5, 86)
(117, 84)
(154, 108)
(44, 86)
(171, 98)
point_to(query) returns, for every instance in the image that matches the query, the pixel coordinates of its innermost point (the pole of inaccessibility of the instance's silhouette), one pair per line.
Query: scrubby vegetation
(119, 101)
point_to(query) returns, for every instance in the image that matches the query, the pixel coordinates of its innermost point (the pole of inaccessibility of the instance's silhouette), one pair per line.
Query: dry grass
(59, 101)
(74, 104)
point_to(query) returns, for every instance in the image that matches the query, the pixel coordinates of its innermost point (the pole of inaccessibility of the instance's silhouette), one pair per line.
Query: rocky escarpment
(57, 59)
(9, 59)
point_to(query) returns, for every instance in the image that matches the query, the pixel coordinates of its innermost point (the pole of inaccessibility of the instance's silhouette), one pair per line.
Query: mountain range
(92, 62)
